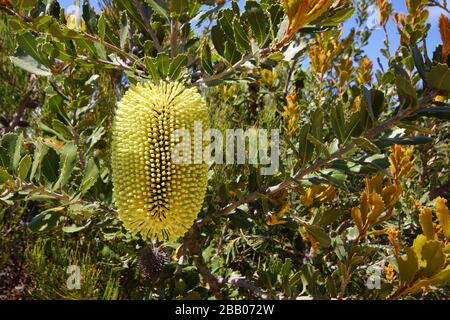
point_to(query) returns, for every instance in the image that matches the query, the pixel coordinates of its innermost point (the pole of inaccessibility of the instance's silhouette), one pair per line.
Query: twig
(22, 107)
(243, 283)
(439, 191)
(113, 48)
(55, 196)
(434, 3)
(149, 28)
(346, 278)
(174, 32)
(233, 68)
(289, 78)
(191, 242)
(58, 90)
(90, 37)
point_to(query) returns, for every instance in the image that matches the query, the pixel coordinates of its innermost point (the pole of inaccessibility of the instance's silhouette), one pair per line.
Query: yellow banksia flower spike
(444, 28)
(156, 196)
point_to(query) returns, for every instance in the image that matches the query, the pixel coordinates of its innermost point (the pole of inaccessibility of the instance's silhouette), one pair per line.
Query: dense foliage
(357, 210)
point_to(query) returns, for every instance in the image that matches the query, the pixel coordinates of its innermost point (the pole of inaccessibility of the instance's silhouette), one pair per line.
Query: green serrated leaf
(206, 59)
(90, 177)
(439, 77)
(338, 122)
(242, 40)
(5, 176)
(62, 129)
(24, 167)
(163, 62)
(225, 21)
(13, 144)
(432, 253)
(366, 144)
(39, 153)
(337, 17)
(305, 148)
(231, 53)
(101, 25)
(177, 65)
(407, 92)
(46, 220)
(29, 64)
(255, 17)
(158, 8)
(319, 145)
(218, 39)
(152, 67)
(50, 166)
(29, 44)
(67, 163)
(319, 235)
(442, 113)
(4, 157)
(124, 29)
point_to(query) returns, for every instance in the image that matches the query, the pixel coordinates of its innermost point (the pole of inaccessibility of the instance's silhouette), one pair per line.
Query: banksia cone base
(151, 263)
(155, 196)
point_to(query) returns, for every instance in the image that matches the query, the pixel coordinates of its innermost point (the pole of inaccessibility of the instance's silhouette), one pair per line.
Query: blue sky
(376, 42)
(377, 39)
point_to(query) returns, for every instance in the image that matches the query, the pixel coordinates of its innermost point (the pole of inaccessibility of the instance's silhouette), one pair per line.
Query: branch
(90, 37)
(22, 107)
(324, 163)
(193, 244)
(174, 32)
(434, 3)
(292, 68)
(53, 195)
(149, 28)
(243, 283)
(439, 191)
(263, 53)
(59, 91)
(115, 49)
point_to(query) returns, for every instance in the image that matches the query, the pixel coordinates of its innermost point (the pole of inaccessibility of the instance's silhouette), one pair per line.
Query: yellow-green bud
(155, 196)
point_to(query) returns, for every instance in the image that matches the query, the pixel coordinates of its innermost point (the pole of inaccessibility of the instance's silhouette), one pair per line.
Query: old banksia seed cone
(151, 262)
(156, 196)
